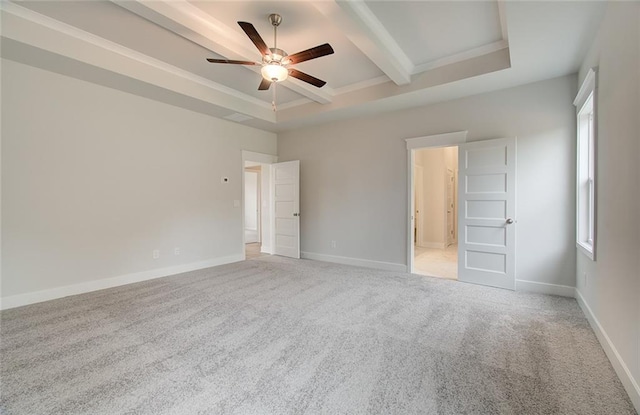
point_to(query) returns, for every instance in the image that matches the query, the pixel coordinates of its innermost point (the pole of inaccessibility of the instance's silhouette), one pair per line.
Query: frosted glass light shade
(275, 73)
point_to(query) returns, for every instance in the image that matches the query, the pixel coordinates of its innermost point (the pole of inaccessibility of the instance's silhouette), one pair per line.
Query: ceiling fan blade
(312, 53)
(255, 37)
(264, 85)
(307, 78)
(231, 61)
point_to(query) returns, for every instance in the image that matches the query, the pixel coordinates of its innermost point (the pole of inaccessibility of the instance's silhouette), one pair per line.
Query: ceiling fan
(275, 62)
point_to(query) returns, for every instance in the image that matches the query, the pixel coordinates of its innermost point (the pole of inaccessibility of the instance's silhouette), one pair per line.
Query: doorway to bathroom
(436, 212)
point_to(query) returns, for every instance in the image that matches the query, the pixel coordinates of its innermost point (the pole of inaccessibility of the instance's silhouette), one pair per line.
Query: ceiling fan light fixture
(274, 72)
(276, 63)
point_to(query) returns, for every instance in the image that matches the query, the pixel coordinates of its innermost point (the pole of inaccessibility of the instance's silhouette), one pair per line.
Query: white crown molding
(13, 29)
(361, 85)
(189, 21)
(462, 56)
(293, 104)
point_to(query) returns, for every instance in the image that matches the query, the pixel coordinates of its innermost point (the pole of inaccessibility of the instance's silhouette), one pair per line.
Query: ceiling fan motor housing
(277, 56)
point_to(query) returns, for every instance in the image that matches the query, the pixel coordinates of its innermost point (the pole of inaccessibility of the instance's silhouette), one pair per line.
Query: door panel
(486, 235)
(487, 183)
(485, 209)
(286, 197)
(486, 249)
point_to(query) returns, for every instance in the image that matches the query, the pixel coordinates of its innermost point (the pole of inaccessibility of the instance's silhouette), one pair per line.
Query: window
(586, 103)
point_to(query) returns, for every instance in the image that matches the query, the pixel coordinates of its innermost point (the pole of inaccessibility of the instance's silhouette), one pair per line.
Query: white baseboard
(85, 287)
(544, 288)
(630, 384)
(387, 266)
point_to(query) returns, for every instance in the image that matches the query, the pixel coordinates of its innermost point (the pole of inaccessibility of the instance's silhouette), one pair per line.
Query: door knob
(509, 221)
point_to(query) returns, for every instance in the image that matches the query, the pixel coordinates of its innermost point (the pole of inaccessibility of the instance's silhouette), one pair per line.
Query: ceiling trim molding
(109, 46)
(194, 24)
(462, 56)
(368, 34)
(295, 103)
(361, 85)
(428, 82)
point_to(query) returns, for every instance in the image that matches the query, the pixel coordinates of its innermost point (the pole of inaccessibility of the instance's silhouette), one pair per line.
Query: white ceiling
(388, 54)
(420, 27)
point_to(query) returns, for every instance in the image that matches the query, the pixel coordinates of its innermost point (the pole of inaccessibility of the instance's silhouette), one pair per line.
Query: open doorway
(435, 189)
(257, 216)
(252, 209)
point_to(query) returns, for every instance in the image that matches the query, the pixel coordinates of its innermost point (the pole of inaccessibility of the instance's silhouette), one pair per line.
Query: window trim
(588, 91)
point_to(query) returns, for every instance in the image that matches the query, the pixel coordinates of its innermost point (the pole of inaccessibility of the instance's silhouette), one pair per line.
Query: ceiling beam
(194, 24)
(502, 12)
(367, 33)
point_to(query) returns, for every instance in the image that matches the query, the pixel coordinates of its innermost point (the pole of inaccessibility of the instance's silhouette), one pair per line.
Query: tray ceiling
(388, 54)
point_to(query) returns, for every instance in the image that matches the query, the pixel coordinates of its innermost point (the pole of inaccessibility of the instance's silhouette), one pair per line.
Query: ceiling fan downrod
(275, 20)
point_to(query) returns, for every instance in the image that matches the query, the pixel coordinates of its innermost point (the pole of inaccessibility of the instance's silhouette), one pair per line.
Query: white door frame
(266, 160)
(413, 144)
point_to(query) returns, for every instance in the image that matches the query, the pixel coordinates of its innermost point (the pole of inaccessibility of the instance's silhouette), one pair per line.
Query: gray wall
(354, 175)
(94, 179)
(610, 286)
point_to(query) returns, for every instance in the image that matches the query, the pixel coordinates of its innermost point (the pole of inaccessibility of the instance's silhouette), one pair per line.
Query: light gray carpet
(280, 336)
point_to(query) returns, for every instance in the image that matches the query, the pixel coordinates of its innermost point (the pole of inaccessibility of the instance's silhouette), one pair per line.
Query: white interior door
(251, 207)
(450, 208)
(286, 198)
(486, 218)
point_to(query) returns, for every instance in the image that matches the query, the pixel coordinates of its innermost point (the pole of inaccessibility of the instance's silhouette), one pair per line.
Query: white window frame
(586, 104)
